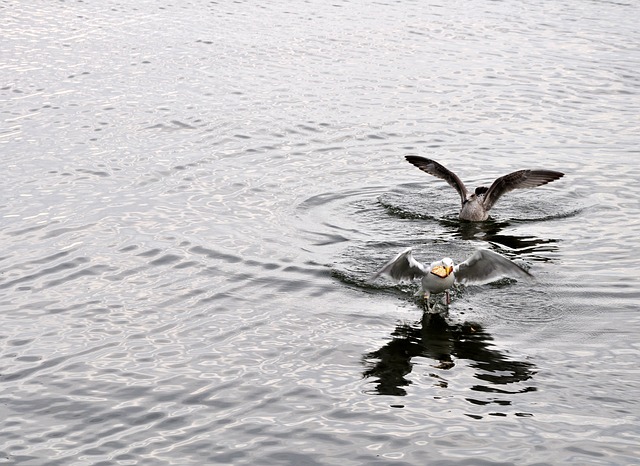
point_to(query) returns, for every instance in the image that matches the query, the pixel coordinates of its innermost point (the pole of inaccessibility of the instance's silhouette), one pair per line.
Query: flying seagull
(476, 205)
(484, 266)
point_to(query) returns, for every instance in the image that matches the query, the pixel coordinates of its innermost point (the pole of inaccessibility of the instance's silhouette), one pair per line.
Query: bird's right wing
(434, 168)
(402, 267)
(486, 266)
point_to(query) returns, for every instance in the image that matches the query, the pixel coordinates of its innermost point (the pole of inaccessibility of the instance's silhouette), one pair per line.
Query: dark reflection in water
(434, 338)
(490, 231)
(424, 204)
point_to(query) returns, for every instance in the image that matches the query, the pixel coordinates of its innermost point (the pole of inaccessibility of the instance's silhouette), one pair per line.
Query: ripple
(366, 218)
(56, 270)
(417, 201)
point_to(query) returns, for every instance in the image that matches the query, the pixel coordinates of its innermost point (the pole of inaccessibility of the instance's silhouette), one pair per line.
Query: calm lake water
(195, 194)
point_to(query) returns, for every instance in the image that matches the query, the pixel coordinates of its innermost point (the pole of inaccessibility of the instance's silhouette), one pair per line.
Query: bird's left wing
(518, 180)
(440, 171)
(402, 267)
(486, 266)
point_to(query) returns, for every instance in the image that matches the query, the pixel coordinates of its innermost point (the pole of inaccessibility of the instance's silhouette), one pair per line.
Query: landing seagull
(484, 266)
(476, 205)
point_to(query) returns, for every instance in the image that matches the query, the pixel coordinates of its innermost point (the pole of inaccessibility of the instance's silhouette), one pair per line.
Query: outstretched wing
(486, 266)
(434, 168)
(402, 267)
(518, 180)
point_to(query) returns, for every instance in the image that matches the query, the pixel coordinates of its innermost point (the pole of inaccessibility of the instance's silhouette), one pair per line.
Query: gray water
(195, 194)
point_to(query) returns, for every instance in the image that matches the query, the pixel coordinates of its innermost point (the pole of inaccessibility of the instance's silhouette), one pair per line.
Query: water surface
(196, 194)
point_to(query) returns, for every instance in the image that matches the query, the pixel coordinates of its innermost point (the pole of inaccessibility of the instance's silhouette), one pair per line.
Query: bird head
(447, 263)
(480, 190)
(444, 268)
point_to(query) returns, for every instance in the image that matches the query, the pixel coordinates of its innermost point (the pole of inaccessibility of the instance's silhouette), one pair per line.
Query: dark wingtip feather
(417, 160)
(546, 176)
(552, 174)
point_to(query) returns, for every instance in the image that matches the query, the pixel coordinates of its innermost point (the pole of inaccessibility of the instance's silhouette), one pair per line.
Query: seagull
(483, 266)
(476, 205)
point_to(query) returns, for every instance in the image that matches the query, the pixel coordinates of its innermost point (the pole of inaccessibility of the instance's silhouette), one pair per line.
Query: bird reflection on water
(434, 338)
(431, 212)
(490, 231)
